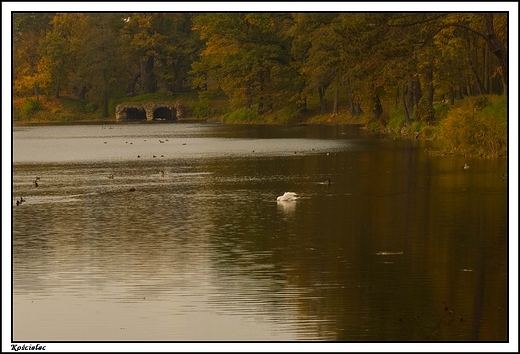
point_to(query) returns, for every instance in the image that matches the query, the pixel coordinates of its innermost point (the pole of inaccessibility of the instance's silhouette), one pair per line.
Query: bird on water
(287, 196)
(19, 202)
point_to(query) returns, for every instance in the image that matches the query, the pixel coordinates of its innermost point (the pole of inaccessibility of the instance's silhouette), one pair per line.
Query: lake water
(173, 232)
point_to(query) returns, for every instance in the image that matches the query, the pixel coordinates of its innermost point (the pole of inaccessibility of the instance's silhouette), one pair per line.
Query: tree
(178, 49)
(60, 49)
(100, 57)
(266, 62)
(247, 55)
(141, 41)
(163, 46)
(28, 31)
(314, 40)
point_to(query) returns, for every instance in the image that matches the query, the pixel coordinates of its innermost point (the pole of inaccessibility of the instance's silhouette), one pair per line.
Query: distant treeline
(266, 62)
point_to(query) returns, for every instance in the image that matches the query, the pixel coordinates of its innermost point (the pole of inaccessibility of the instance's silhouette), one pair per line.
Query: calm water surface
(187, 241)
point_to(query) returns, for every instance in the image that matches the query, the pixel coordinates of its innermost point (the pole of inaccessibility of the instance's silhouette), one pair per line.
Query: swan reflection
(286, 206)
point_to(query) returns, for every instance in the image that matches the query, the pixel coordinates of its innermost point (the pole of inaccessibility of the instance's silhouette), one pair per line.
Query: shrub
(476, 127)
(72, 105)
(375, 126)
(425, 112)
(112, 104)
(287, 115)
(396, 119)
(441, 111)
(415, 127)
(31, 106)
(91, 107)
(481, 102)
(200, 109)
(243, 115)
(66, 118)
(428, 132)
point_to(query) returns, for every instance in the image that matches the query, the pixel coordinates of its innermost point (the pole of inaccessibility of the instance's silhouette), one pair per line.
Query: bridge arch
(135, 114)
(149, 111)
(164, 113)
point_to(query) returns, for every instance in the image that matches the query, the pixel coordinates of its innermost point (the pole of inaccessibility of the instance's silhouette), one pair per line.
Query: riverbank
(474, 126)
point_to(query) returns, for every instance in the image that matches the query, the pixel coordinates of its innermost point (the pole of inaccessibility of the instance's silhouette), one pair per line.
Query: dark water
(402, 245)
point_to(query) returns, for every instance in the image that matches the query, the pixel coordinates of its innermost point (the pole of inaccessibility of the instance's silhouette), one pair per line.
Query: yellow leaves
(476, 132)
(260, 20)
(27, 78)
(144, 21)
(69, 24)
(221, 46)
(25, 83)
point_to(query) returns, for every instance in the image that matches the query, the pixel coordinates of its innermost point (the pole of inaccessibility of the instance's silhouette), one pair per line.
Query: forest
(382, 69)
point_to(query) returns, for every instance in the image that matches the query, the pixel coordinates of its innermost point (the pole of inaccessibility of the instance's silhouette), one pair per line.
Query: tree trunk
(130, 87)
(428, 112)
(336, 99)
(57, 91)
(473, 64)
(429, 85)
(354, 101)
(323, 103)
(178, 80)
(412, 96)
(377, 108)
(485, 68)
(357, 106)
(83, 93)
(148, 84)
(480, 84)
(407, 119)
(105, 94)
(417, 91)
(496, 47)
(37, 92)
(496, 85)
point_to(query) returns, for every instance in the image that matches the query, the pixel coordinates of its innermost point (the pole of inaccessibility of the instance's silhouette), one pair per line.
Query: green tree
(60, 49)
(161, 47)
(141, 43)
(247, 56)
(316, 43)
(100, 65)
(178, 49)
(449, 52)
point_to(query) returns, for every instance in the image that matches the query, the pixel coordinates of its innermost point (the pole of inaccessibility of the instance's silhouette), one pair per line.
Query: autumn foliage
(388, 70)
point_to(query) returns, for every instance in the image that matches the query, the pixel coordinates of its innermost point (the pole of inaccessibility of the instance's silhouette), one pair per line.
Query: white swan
(287, 196)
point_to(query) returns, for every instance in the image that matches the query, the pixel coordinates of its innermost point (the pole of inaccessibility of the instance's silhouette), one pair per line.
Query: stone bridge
(150, 111)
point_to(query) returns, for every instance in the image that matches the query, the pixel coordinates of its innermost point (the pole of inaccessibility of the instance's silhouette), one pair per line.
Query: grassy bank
(474, 126)
(69, 110)
(477, 126)
(51, 110)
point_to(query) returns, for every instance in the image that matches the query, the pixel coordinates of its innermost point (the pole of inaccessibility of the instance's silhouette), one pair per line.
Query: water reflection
(286, 207)
(401, 245)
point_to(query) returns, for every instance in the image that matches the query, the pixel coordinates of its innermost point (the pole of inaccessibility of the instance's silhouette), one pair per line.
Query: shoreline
(178, 121)
(218, 121)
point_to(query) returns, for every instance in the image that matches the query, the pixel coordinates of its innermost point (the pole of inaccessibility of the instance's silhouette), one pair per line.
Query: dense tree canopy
(265, 62)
